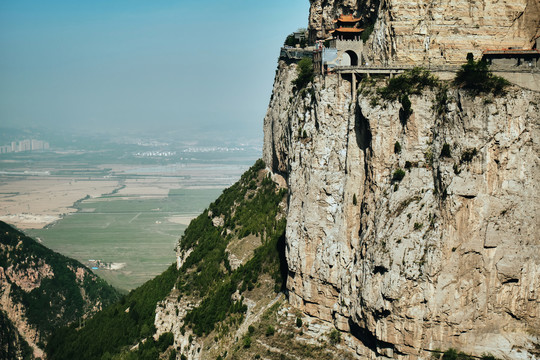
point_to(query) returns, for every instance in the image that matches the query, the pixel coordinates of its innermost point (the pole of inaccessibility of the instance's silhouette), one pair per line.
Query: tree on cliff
(475, 77)
(305, 73)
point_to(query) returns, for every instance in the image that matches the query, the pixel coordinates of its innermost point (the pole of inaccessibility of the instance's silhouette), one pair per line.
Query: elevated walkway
(292, 54)
(389, 69)
(526, 77)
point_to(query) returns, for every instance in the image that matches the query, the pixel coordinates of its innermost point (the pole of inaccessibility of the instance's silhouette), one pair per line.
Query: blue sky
(142, 65)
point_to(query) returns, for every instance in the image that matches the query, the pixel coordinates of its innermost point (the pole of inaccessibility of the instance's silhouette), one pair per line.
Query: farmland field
(140, 233)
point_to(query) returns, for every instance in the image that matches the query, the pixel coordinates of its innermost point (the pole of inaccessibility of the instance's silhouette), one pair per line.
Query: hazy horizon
(142, 67)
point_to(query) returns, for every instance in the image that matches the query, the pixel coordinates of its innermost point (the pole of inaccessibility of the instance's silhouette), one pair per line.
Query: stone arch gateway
(352, 57)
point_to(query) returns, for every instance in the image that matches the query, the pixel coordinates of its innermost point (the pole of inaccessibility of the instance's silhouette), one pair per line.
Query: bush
(475, 77)
(453, 354)
(411, 82)
(247, 341)
(450, 354)
(305, 73)
(165, 340)
(367, 31)
(428, 155)
(292, 41)
(298, 322)
(441, 101)
(270, 330)
(488, 357)
(334, 337)
(406, 110)
(398, 175)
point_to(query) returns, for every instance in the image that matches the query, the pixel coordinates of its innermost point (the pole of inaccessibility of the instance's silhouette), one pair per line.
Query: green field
(135, 232)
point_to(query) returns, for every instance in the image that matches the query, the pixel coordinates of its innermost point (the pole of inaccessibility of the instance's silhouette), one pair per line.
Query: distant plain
(114, 208)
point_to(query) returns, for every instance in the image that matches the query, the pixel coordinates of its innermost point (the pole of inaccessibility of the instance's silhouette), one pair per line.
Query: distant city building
(24, 145)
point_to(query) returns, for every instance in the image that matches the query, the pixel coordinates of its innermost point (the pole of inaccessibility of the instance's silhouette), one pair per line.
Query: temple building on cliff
(346, 28)
(345, 46)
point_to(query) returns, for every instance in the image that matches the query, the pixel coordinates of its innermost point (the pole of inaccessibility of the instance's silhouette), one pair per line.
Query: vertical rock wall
(447, 257)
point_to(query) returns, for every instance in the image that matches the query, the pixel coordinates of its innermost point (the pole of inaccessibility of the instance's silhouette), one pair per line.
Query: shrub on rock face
(270, 330)
(488, 357)
(334, 337)
(453, 354)
(247, 342)
(411, 82)
(406, 109)
(398, 175)
(476, 78)
(305, 73)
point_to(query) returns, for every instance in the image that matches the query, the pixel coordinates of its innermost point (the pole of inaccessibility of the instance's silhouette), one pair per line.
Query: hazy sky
(142, 65)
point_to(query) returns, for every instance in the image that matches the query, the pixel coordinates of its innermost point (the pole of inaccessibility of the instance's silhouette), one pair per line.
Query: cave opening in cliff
(283, 267)
(362, 130)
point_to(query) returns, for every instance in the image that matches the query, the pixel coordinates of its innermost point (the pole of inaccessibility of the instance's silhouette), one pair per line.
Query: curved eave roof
(347, 30)
(347, 18)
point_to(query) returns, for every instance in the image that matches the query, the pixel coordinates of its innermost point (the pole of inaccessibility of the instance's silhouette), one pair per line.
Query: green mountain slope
(247, 216)
(42, 290)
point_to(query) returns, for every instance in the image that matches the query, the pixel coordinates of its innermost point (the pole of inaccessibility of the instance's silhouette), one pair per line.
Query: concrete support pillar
(339, 86)
(353, 87)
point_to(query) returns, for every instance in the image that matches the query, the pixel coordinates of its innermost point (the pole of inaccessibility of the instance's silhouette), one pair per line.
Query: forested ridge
(51, 289)
(249, 207)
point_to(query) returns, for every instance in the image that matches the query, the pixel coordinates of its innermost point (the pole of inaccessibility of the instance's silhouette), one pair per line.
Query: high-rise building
(24, 145)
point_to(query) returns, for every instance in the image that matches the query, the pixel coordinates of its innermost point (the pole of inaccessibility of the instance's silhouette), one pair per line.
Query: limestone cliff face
(433, 32)
(447, 257)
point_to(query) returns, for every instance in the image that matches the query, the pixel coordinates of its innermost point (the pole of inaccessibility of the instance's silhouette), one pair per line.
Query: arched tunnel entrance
(351, 58)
